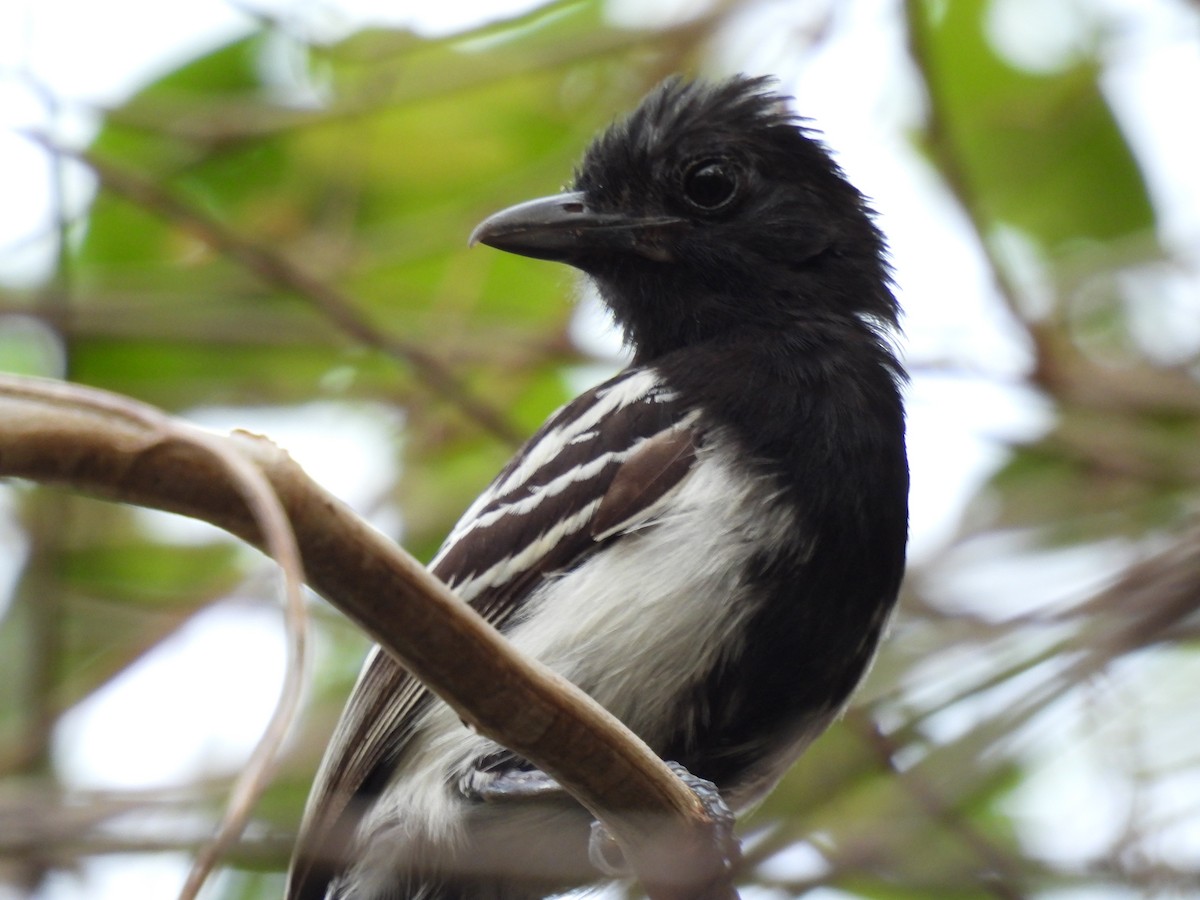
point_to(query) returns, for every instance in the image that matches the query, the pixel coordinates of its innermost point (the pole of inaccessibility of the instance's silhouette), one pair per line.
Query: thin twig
(1004, 874)
(239, 120)
(249, 786)
(280, 542)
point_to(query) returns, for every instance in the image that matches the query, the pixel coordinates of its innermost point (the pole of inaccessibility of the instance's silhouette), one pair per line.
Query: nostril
(572, 207)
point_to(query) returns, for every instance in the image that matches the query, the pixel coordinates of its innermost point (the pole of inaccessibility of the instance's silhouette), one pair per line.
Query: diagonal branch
(99, 443)
(276, 269)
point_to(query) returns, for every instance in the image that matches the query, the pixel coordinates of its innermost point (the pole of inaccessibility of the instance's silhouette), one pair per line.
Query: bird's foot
(522, 785)
(605, 854)
(510, 784)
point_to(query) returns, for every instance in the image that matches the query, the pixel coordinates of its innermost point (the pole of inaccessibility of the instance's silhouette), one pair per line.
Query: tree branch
(103, 444)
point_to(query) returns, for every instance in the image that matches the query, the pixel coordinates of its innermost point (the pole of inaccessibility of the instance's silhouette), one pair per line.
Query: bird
(710, 543)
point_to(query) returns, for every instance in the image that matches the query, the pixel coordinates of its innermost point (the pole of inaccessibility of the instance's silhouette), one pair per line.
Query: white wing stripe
(511, 566)
(551, 489)
(625, 392)
(643, 385)
(556, 486)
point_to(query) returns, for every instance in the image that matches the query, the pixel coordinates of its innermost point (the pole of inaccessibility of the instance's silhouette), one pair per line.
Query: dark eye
(710, 184)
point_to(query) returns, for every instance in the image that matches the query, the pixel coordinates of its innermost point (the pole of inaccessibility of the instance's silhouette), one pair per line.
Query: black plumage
(709, 543)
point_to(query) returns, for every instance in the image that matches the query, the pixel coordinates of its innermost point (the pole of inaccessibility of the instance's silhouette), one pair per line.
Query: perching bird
(709, 543)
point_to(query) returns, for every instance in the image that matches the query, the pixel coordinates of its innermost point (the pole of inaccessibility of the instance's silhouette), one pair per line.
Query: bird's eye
(710, 184)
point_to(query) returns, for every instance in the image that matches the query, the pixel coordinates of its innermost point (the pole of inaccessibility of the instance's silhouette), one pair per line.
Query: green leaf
(1041, 152)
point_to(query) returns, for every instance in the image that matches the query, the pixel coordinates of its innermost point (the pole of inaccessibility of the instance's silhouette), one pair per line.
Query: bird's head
(708, 210)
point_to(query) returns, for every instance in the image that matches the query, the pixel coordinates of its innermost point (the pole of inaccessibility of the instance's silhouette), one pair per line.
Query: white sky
(100, 53)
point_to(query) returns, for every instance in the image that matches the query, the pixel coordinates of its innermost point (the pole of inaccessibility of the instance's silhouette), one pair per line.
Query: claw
(605, 854)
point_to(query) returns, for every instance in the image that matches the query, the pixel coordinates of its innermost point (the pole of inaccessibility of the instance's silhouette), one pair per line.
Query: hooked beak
(564, 228)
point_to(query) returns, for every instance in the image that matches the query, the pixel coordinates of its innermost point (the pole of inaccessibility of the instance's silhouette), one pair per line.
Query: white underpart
(658, 607)
(636, 627)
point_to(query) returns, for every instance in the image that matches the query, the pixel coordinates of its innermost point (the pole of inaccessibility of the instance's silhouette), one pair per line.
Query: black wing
(597, 469)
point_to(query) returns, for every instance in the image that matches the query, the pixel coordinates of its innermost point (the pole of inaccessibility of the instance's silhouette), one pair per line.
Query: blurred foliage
(283, 221)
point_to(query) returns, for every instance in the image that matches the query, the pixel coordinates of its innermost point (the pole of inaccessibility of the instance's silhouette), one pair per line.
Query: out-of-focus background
(267, 230)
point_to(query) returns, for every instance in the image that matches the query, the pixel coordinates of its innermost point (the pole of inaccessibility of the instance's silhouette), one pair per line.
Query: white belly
(636, 626)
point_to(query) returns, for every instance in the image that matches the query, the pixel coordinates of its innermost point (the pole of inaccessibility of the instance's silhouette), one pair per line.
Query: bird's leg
(486, 784)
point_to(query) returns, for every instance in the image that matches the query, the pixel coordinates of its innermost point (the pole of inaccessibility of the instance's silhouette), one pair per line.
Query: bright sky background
(221, 673)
